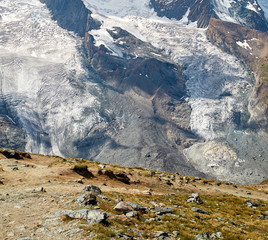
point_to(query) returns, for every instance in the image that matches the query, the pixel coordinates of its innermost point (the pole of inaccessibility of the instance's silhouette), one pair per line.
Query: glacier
(43, 79)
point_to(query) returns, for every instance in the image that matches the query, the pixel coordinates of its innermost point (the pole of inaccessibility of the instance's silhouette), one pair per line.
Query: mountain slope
(38, 191)
(113, 81)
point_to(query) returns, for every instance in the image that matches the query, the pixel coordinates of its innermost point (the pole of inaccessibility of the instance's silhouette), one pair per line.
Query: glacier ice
(43, 79)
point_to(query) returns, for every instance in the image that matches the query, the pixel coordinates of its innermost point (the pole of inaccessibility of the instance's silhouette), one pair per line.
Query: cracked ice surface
(42, 76)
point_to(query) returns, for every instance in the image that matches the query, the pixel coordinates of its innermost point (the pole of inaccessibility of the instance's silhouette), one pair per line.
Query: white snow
(120, 8)
(244, 44)
(221, 8)
(251, 7)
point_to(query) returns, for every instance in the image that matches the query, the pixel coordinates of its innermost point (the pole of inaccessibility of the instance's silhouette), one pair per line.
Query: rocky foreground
(48, 197)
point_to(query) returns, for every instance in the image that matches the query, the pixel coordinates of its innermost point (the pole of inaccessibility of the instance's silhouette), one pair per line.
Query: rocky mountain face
(120, 84)
(250, 46)
(245, 12)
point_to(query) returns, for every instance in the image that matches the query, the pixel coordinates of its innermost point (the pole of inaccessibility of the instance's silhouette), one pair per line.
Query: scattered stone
(123, 207)
(125, 236)
(151, 173)
(262, 217)
(162, 211)
(199, 210)
(252, 204)
(25, 154)
(15, 168)
(155, 219)
(137, 206)
(202, 236)
(132, 214)
(160, 234)
(122, 177)
(79, 181)
(176, 233)
(102, 166)
(42, 189)
(194, 198)
(217, 235)
(72, 232)
(93, 189)
(87, 199)
(91, 216)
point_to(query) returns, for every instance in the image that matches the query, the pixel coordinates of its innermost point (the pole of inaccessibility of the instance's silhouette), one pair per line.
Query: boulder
(194, 198)
(10, 153)
(92, 188)
(123, 207)
(87, 199)
(199, 210)
(252, 204)
(122, 177)
(162, 211)
(91, 216)
(132, 214)
(137, 206)
(160, 234)
(202, 236)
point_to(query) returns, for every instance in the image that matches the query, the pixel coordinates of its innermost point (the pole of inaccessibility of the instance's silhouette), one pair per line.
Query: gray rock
(252, 204)
(91, 216)
(202, 236)
(160, 234)
(123, 235)
(93, 189)
(132, 214)
(79, 181)
(217, 235)
(87, 199)
(72, 232)
(262, 217)
(122, 177)
(123, 207)
(199, 210)
(194, 198)
(136, 206)
(10, 153)
(162, 211)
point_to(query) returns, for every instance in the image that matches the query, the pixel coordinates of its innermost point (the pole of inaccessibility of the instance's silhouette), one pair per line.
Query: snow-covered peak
(120, 8)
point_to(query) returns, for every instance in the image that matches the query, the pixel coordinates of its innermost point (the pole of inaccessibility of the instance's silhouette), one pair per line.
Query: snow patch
(244, 44)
